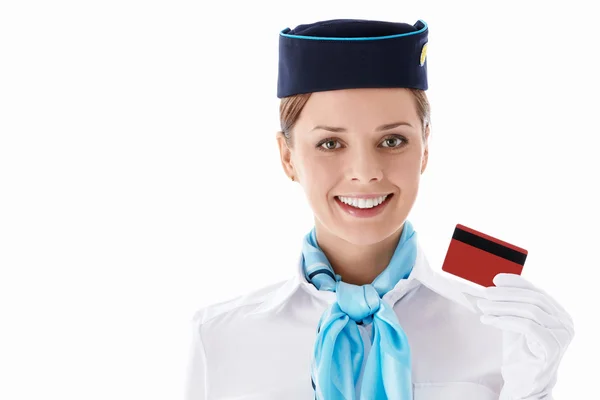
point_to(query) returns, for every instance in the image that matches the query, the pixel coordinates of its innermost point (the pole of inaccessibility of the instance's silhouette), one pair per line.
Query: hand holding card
(536, 329)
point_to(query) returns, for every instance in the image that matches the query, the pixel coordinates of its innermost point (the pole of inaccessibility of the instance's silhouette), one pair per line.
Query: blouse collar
(451, 288)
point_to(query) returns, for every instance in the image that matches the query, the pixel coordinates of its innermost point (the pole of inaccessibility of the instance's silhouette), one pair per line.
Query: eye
(328, 144)
(393, 141)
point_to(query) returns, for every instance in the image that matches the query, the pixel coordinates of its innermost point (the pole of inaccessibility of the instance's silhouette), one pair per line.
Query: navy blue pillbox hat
(352, 53)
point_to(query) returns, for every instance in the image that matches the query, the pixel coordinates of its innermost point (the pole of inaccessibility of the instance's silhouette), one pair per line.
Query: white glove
(536, 334)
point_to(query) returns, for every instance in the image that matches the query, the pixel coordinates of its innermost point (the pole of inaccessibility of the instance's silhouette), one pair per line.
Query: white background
(140, 179)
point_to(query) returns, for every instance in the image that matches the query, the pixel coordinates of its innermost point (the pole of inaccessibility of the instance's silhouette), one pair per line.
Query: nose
(365, 166)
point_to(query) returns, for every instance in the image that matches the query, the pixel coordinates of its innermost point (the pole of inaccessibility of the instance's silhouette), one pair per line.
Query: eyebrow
(384, 127)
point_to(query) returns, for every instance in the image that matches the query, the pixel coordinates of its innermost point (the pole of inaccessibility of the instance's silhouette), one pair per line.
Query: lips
(362, 202)
(365, 206)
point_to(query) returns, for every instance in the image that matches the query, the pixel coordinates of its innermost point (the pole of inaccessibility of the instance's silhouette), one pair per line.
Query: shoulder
(245, 303)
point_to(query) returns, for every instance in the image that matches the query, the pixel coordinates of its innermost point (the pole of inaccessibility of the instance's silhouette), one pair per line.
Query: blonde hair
(291, 107)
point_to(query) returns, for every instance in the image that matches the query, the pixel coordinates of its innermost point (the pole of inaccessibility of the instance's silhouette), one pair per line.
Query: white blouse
(259, 346)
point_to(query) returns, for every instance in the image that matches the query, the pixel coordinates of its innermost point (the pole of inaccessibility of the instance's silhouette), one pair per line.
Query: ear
(426, 151)
(286, 156)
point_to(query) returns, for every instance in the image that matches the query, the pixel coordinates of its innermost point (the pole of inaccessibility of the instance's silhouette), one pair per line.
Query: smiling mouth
(362, 203)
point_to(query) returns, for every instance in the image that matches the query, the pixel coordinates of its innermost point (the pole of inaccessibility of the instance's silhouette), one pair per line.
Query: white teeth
(363, 203)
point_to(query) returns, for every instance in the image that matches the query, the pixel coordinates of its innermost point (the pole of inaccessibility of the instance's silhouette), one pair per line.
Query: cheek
(322, 174)
(405, 169)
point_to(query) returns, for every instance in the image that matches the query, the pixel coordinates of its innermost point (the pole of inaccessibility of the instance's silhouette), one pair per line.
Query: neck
(357, 265)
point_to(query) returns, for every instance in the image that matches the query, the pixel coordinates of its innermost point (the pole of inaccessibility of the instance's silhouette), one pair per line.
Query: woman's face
(358, 146)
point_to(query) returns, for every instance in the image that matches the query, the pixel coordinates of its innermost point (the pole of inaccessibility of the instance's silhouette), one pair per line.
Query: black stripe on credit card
(489, 246)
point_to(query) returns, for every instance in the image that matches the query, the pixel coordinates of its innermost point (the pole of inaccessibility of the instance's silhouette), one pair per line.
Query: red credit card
(478, 257)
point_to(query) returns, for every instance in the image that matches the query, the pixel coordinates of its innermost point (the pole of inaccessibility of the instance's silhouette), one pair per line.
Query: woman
(365, 317)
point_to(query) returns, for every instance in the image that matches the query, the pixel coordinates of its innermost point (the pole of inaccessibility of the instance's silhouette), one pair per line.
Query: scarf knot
(359, 302)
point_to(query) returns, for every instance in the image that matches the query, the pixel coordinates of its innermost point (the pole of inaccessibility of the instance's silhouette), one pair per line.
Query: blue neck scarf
(339, 349)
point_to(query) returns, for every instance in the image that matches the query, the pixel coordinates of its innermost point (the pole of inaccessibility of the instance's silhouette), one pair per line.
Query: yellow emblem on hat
(423, 54)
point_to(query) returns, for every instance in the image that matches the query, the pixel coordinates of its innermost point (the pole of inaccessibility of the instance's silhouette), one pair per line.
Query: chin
(369, 231)
(366, 234)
